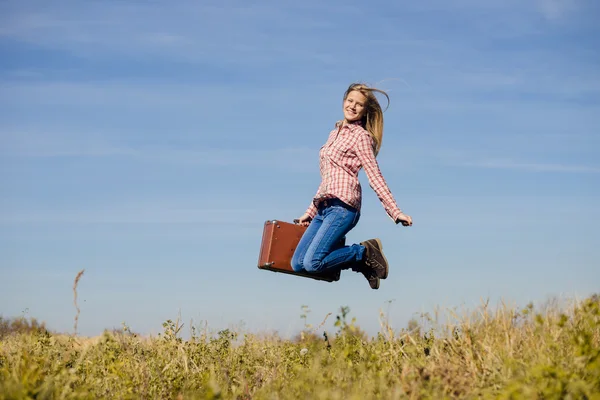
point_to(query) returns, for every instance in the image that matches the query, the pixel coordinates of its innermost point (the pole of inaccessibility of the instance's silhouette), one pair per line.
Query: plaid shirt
(348, 149)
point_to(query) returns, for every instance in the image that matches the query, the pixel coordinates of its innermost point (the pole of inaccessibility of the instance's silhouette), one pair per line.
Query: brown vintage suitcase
(279, 242)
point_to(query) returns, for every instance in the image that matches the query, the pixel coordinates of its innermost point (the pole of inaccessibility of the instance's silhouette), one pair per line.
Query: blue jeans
(320, 249)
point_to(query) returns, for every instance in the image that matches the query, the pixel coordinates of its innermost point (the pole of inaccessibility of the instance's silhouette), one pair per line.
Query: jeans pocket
(346, 216)
(356, 218)
(339, 211)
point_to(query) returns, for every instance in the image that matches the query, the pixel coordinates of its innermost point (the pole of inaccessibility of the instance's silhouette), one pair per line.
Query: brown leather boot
(374, 258)
(371, 277)
(368, 273)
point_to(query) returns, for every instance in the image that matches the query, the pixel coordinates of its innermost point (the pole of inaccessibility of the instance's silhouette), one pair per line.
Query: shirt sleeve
(366, 155)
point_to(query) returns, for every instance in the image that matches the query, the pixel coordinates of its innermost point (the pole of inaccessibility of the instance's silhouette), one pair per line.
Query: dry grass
(75, 283)
(507, 353)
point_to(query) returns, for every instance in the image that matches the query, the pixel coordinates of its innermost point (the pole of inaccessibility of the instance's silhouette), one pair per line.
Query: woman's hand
(303, 220)
(404, 219)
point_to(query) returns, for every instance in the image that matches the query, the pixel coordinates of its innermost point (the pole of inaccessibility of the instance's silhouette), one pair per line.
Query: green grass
(550, 353)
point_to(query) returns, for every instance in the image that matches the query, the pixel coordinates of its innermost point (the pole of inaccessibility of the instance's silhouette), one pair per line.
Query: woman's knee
(296, 262)
(313, 264)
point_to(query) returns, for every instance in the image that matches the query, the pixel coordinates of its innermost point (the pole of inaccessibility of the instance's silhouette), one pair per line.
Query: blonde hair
(372, 121)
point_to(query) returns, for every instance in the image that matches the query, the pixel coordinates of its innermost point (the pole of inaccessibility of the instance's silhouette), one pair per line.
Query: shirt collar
(350, 125)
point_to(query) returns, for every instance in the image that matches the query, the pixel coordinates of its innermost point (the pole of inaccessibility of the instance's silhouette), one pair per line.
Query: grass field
(547, 353)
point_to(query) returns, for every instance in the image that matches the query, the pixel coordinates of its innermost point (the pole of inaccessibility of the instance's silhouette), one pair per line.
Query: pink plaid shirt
(348, 149)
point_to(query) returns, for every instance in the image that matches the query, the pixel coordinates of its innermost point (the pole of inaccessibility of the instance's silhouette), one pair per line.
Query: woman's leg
(323, 253)
(304, 243)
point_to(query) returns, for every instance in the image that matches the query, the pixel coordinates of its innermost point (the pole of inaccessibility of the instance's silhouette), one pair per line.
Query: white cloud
(94, 144)
(53, 144)
(533, 167)
(245, 158)
(97, 94)
(140, 213)
(554, 10)
(191, 31)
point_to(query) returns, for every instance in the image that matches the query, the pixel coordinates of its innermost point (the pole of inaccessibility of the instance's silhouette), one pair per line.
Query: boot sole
(376, 287)
(387, 266)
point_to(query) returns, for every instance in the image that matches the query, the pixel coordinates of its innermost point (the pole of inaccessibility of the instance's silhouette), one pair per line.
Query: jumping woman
(335, 209)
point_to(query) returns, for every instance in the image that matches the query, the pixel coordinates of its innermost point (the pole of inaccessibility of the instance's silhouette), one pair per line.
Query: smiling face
(354, 106)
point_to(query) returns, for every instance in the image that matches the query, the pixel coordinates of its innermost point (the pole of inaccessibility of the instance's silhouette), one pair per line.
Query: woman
(335, 209)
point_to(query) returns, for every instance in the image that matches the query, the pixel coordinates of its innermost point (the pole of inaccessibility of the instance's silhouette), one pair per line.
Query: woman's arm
(364, 152)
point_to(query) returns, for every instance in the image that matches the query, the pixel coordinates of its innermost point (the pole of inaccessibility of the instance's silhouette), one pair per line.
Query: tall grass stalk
(503, 353)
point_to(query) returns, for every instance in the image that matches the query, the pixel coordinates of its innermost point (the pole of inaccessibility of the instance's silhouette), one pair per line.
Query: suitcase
(279, 242)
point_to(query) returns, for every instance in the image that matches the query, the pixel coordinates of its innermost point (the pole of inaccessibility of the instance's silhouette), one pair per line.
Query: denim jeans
(320, 249)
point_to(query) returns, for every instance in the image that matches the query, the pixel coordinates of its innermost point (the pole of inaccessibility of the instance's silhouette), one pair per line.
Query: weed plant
(506, 353)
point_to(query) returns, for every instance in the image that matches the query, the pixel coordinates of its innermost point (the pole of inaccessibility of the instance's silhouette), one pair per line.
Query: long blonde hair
(372, 121)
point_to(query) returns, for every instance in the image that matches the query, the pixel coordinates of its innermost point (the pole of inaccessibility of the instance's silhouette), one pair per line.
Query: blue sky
(147, 142)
